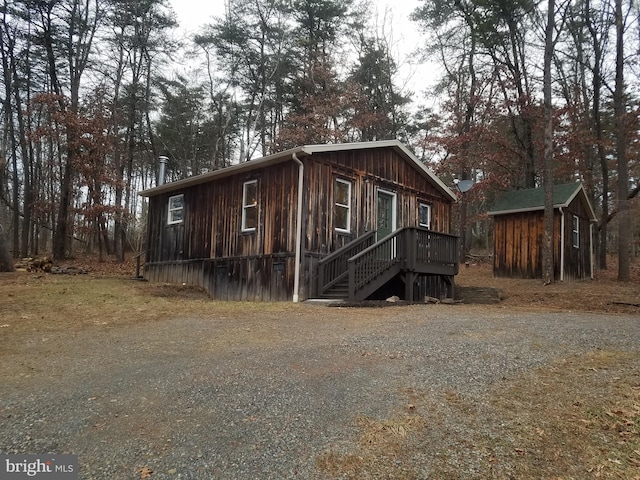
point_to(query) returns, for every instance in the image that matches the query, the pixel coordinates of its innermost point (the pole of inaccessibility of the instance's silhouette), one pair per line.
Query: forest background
(529, 94)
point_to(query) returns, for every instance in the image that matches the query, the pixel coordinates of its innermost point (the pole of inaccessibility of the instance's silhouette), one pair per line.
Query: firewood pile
(35, 265)
(46, 265)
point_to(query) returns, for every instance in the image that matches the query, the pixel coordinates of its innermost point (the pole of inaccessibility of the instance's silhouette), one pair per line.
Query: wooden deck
(362, 267)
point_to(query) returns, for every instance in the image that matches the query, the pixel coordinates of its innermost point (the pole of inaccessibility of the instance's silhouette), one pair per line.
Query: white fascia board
(581, 189)
(520, 210)
(429, 173)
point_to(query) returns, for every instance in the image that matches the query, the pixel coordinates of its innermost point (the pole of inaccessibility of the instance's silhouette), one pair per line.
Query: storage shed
(519, 226)
(341, 221)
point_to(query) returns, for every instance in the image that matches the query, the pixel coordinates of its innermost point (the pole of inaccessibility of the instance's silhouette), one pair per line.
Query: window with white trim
(250, 206)
(176, 209)
(342, 206)
(424, 215)
(576, 232)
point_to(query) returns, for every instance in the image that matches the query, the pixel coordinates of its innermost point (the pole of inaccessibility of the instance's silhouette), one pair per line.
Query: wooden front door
(385, 215)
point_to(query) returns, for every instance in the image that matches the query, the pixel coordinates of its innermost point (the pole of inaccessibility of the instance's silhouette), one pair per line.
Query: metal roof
(532, 199)
(302, 151)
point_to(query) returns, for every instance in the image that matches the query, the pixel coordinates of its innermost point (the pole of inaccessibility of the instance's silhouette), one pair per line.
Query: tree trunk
(6, 263)
(547, 247)
(61, 234)
(8, 136)
(621, 150)
(597, 125)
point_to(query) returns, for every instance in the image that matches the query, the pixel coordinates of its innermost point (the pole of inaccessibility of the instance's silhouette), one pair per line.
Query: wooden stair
(338, 291)
(362, 267)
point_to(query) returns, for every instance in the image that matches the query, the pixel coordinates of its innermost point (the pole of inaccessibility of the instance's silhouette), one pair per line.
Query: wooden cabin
(519, 227)
(352, 221)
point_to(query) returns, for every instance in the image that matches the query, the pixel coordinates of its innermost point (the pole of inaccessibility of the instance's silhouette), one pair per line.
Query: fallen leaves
(145, 472)
(384, 432)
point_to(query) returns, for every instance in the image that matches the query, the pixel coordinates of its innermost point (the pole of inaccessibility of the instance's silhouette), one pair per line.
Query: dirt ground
(569, 389)
(602, 294)
(37, 294)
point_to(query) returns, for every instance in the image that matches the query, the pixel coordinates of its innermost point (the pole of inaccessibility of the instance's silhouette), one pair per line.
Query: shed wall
(578, 259)
(518, 246)
(517, 240)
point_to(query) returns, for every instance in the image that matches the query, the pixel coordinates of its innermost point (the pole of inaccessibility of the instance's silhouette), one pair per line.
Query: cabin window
(176, 209)
(576, 232)
(250, 206)
(342, 207)
(424, 215)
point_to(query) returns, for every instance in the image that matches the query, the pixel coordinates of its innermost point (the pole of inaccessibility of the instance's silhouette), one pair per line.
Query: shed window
(176, 209)
(342, 207)
(424, 215)
(576, 232)
(250, 206)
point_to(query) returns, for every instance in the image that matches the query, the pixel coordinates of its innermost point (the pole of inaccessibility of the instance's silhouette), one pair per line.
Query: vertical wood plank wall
(233, 265)
(578, 260)
(518, 241)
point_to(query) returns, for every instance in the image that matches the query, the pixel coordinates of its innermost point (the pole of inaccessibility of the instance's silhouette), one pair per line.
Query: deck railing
(410, 249)
(434, 247)
(364, 261)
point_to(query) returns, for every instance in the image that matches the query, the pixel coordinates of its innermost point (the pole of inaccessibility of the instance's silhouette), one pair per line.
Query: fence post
(411, 245)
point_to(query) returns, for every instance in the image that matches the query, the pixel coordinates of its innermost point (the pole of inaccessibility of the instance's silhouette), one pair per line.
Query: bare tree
(547, 247)
(619, 106)
(71, 39)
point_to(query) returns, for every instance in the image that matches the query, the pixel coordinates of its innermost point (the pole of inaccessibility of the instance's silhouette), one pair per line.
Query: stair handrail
(362, 270)
(334, 267)
(409, 245)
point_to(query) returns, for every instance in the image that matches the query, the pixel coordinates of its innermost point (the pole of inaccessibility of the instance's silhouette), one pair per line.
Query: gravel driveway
(265, 398)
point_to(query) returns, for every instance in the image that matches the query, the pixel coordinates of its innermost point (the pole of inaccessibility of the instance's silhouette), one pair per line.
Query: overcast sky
(194, 13)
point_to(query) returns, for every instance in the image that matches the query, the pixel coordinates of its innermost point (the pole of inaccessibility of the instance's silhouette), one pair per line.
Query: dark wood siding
(368, 170)
(518, 244)
(212, 228)
(577, 264)
(277, 197)
(259, 265)
(261, 278)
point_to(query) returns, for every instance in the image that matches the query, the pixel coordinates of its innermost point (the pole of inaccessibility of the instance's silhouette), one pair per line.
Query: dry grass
(65, 303)
(603, 294)
(578, 418)
(382, 448)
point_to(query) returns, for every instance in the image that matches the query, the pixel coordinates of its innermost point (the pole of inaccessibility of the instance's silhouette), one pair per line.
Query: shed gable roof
(532, 199)
(303, 151)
